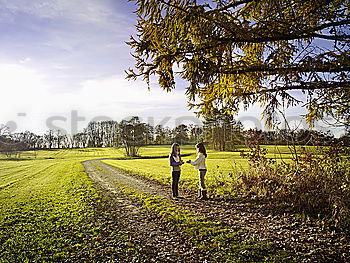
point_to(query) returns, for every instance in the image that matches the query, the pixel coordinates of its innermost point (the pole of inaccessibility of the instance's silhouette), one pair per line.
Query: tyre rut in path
(157, 242)
(308, 241)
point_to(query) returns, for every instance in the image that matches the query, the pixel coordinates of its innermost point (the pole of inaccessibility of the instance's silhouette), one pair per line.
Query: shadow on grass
(16, 159)
(139, 157)
(28, 159)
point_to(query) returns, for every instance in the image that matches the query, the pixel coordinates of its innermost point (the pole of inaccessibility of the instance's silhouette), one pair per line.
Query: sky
(63, 62)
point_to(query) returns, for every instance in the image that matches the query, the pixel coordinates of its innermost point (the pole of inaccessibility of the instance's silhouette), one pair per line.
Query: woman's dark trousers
(175, 183)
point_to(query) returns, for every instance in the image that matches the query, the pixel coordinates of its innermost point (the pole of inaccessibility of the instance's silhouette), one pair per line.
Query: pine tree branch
(269, 69)
(235, 4)
(303, 86)
(281, 37)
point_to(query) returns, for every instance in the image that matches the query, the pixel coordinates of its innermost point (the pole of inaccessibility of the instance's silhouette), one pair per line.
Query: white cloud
(75, 39)
(21, 86)
(25, 60)
(28, 91)
(121, 90)
(84, 11)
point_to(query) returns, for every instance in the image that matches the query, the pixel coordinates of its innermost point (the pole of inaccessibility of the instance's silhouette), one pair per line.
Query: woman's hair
(173, 148)
(201, 148)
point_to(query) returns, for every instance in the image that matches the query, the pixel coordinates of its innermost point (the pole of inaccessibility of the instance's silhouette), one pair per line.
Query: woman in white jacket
(199, 164)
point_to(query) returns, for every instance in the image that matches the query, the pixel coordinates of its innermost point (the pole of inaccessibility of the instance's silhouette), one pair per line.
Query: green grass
(46, 203)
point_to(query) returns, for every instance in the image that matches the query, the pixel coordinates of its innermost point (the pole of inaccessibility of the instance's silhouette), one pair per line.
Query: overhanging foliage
(240, 52)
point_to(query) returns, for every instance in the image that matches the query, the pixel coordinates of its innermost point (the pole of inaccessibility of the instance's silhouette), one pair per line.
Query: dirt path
(308, 241)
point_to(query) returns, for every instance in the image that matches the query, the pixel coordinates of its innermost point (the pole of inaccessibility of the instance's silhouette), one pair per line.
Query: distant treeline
(222, 133)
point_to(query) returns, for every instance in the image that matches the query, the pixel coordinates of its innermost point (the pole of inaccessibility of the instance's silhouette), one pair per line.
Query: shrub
(316, 182)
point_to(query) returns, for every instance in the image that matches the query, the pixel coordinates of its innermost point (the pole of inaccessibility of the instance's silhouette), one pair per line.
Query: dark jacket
(172, 161)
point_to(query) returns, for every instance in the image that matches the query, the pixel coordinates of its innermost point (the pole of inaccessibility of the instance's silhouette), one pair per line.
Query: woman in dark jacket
(175, 163)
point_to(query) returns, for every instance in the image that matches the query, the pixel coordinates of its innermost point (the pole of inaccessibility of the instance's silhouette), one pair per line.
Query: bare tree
(132, 134)
(49, 139)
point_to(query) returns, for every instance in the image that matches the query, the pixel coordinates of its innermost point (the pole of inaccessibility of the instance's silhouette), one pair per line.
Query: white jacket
(199, 163)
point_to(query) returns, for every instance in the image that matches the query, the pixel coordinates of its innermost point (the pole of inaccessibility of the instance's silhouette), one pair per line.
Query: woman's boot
(204, 195)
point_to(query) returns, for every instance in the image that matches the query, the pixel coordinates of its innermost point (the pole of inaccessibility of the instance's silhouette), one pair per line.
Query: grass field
(46, 198)
(45, 204)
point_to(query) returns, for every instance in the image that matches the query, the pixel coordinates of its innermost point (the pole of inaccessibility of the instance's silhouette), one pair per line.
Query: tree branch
(280, 38)
(275, 38)
(235, 4)
(174, 6)
(337, 23)
(303, 86)
(324, 68)
(335, 37)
